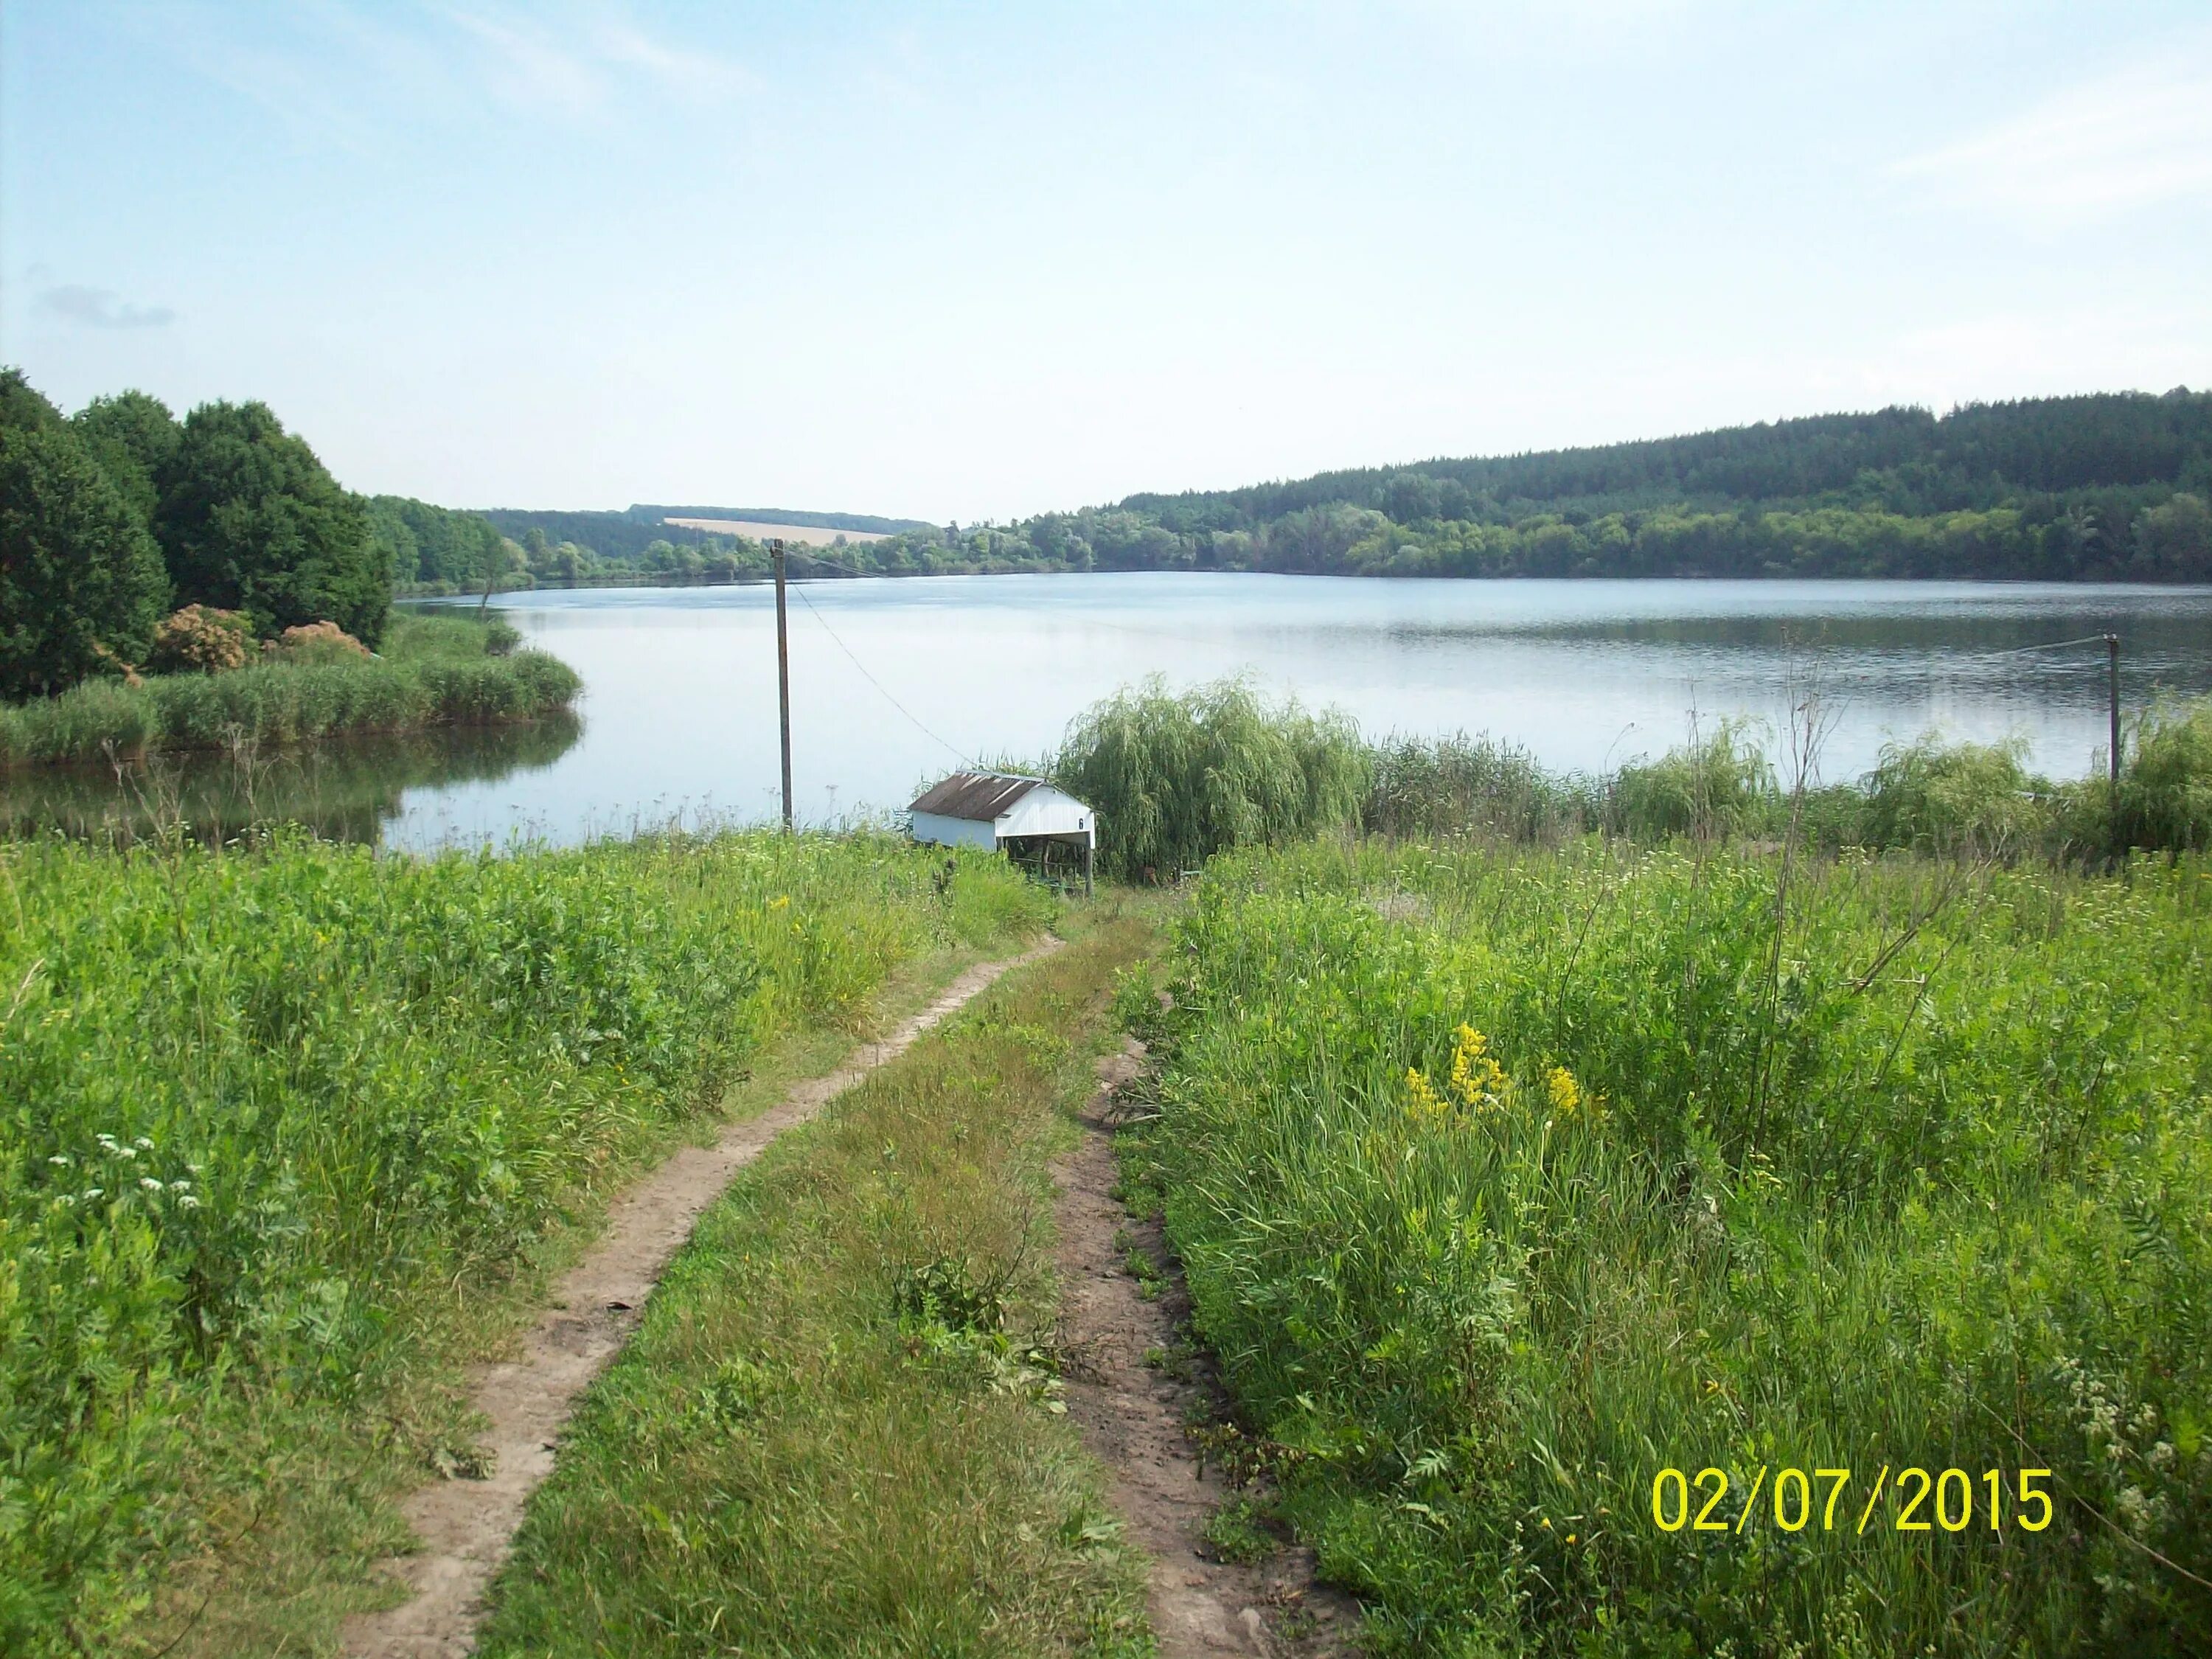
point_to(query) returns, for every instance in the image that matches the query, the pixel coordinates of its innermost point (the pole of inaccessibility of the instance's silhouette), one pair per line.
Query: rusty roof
(981, 796)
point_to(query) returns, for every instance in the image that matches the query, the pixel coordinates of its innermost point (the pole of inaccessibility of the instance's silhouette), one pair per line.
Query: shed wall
(954, 832)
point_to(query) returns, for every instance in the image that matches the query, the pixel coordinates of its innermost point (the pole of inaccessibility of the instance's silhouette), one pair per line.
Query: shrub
(1458, 785)
(200, 640)
(2165, 786)
(1718, 786)
(319, 642)
(1942, 796)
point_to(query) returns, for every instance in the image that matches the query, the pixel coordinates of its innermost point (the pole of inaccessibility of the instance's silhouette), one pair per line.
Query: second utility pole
(782, 674)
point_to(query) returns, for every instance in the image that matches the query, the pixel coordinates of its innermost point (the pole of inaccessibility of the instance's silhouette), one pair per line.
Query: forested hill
(1904, 460)
(2106, 485)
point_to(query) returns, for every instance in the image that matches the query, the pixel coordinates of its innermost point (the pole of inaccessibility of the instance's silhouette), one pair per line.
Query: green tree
(132, 436)
(81, 581)
(251, 521)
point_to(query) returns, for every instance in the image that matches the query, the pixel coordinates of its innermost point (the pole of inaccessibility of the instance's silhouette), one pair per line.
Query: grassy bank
(280, 1126)
(835, 1431)
(1751, 1166)
(437, 671)
(1178, 776)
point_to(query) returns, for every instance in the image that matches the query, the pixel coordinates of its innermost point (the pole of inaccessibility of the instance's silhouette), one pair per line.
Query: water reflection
(344, 789)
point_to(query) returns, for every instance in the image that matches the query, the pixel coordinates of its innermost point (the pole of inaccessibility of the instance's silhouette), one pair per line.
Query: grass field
(1505, 1180)
(282, 1127)
(837, 1431)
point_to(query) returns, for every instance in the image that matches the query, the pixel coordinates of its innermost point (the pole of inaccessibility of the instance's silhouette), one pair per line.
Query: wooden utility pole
(2113, 686)
(2112, 757)
(783, 674)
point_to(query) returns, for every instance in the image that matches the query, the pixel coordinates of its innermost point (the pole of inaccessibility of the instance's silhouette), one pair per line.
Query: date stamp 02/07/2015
(1908, 1500)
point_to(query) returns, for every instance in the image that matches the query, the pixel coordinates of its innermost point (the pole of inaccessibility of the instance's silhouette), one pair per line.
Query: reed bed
(277, 1119)
(1506, 1178)
(439, 672)
(1176, 777)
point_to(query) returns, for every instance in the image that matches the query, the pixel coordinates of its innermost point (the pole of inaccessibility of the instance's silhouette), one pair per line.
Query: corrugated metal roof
(978, 795)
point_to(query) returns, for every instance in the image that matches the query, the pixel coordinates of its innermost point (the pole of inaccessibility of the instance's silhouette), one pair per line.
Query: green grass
(437, 671)
(1875, 1161)
(838, 1429)
(279, 1128)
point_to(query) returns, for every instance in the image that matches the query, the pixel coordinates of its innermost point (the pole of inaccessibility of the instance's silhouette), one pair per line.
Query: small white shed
(1003, 811)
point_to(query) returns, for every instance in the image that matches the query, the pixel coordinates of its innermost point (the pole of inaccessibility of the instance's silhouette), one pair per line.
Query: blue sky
(979, 261)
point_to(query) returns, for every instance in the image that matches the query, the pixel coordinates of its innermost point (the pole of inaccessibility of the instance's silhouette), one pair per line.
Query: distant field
(811, 535)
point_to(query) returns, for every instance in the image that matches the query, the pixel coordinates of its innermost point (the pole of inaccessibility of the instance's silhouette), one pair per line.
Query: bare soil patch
(466, 1526)
(1134, 1416)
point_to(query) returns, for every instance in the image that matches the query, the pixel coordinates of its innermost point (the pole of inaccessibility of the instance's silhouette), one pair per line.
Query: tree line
(112, 516)
(2106, 487)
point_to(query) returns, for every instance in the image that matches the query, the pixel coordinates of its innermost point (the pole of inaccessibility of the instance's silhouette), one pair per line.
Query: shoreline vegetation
(441, 670)
(1178, 776)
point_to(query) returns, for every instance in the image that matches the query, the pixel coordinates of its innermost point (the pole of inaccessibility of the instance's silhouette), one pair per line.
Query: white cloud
(578, 62)
(2132, 138)
(100, 308)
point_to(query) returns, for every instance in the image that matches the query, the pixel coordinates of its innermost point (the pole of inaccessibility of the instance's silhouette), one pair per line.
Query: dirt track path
(1133, 1415)
(467, 1526)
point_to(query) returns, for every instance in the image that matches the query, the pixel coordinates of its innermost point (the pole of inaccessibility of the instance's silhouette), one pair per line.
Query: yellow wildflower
(1427, 1106)
(1477, 1080)
(1566, 1093)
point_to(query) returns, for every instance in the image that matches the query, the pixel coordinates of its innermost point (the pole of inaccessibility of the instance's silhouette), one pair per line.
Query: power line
(957, 754)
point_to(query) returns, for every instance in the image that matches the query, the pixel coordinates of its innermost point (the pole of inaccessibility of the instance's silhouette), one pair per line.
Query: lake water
(896, 682)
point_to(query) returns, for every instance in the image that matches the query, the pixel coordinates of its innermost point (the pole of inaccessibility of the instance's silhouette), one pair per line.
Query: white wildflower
(143, 1143)
(149, 1184)
(188, 1202)
(60, 1160)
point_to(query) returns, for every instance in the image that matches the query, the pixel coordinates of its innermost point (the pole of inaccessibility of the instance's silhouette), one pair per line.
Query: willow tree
(1175, 777)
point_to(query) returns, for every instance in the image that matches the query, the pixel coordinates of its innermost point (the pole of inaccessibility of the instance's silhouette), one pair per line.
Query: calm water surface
(893, 682)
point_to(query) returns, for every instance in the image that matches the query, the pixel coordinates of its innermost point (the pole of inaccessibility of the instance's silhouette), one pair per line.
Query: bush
(2165, 786)
(1934, 796)
(1720, 785)
(1455, 786)
(200, 640)
(320, 641)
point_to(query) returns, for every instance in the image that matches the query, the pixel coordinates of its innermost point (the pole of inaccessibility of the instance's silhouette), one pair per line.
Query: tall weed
(259, 1109)
(1903, 1162)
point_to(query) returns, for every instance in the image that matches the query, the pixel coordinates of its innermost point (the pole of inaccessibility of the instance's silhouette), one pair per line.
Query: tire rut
(466, 1527)
(1134, 1415)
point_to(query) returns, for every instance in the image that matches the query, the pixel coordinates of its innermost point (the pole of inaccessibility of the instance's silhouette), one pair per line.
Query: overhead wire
(958, 754)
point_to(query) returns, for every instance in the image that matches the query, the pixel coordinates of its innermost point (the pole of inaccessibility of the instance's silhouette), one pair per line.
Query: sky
(975, 262)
